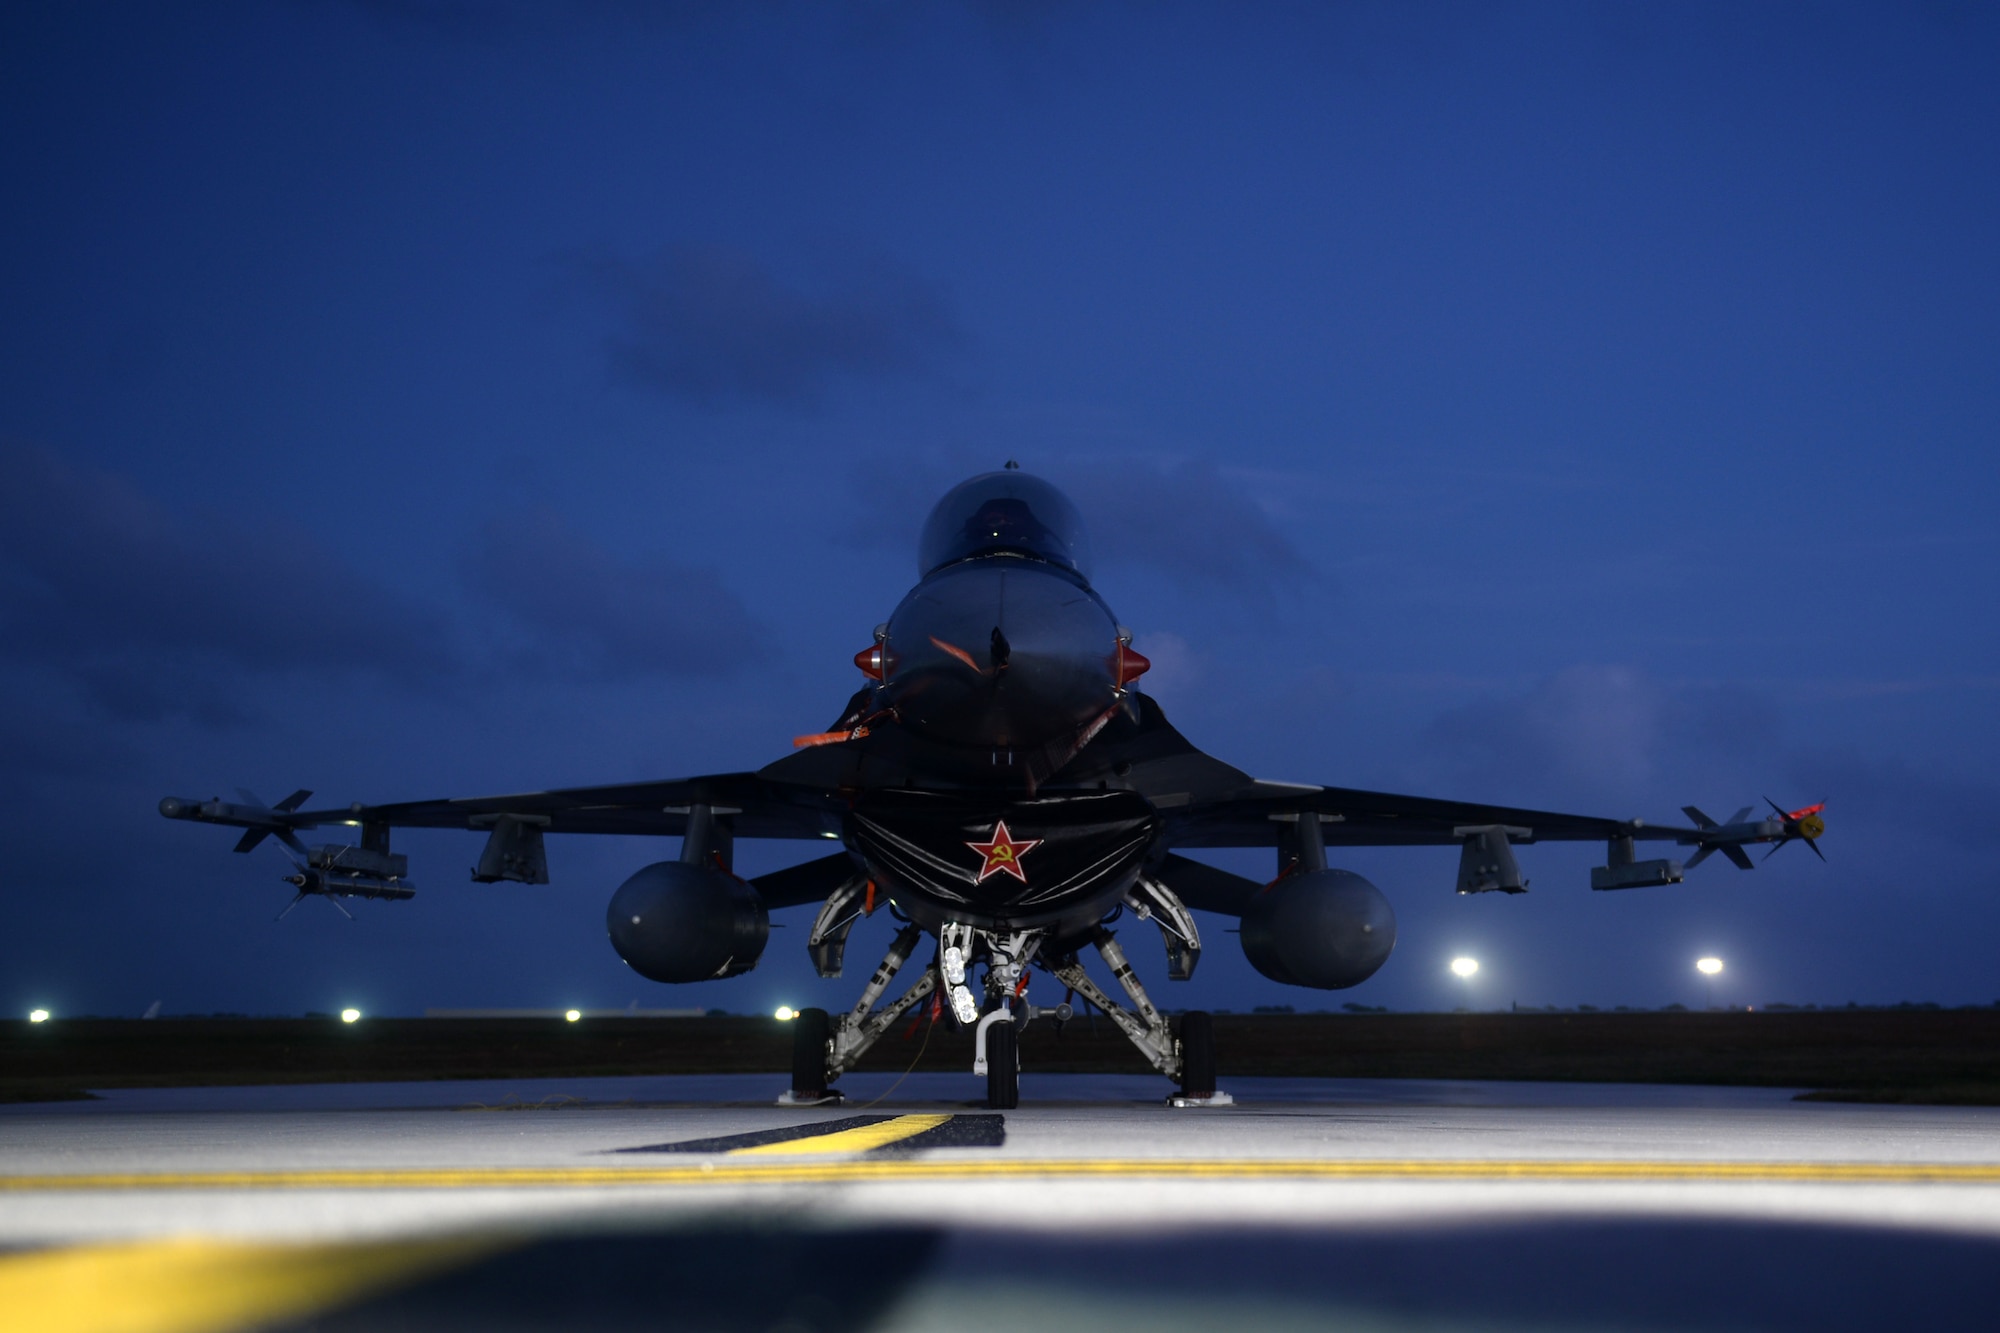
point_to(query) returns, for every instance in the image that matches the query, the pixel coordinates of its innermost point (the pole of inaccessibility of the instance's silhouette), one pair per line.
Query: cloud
(38, 744)
(714, 325)
(1604, 731)
(1614, 740)
(1910, 803)
(1184, 520)
(151, 613)
(1587, 725)
(582, 610)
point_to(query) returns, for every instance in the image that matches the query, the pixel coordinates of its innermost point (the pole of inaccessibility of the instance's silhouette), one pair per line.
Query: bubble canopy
(1004, 513)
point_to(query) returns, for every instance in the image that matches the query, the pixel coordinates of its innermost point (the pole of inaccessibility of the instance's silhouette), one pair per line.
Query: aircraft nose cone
(1001, 652)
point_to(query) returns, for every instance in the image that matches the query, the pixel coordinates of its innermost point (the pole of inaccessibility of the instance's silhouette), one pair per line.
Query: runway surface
(694, 1203)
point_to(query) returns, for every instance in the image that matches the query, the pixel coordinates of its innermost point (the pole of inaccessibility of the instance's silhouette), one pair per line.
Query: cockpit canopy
(1008, 513)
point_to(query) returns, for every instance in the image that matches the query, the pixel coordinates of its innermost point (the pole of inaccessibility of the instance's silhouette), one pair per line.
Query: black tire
(1197, 1054)
(810, 1030)
(1003, 1067)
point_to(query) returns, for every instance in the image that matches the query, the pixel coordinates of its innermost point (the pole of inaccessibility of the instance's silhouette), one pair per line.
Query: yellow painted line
(204, 1286)
(859, 1139)
(866, 1169)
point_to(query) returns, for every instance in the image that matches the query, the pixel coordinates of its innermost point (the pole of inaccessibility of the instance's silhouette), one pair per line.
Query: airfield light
(38, 1015)
(785, 1013)
(1708, 967)
(350, 1015)
(572, 1015)
(1465, 967)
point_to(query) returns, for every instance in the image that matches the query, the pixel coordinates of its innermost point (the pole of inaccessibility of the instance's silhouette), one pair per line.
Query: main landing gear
(824, 1047)
(810, 1032)
(1197, 1046)
(1187, 1057)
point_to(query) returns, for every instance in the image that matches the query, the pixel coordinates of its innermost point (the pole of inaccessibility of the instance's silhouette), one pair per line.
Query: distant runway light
(38, 1015)
(572, 1015)
(1465, 967)
(1708, 967)
(785, 1013)
(350, 1015)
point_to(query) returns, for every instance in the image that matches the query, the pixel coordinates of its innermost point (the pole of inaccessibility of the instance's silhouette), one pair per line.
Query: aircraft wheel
(810, 1030)
(1197, 1055)
(1003, 1067)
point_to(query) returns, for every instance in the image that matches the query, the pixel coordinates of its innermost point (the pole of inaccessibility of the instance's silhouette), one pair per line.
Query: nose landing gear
(999, 1058)
(824, 1048)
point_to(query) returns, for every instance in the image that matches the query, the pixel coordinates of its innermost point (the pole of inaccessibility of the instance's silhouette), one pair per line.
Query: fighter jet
(1001, 786)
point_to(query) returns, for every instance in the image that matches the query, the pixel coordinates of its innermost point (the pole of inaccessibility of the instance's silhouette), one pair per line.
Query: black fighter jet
(999, 785)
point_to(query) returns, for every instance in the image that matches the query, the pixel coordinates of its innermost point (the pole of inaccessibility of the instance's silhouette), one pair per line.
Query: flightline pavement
(407, 1206)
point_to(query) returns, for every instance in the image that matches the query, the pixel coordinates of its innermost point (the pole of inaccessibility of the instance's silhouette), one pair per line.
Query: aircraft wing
(761, 808)
(1304, 822)
(1210, 804)
(1255, 817)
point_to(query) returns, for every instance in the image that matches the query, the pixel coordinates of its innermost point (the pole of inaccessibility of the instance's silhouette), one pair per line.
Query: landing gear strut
(824, 1048)
(1144, 1024)
(1188, 1058)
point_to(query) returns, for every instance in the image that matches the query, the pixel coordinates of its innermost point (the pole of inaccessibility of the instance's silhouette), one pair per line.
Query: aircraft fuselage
(1001, 667)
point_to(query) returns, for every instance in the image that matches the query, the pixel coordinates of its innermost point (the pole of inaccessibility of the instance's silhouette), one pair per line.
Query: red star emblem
(1003, 854)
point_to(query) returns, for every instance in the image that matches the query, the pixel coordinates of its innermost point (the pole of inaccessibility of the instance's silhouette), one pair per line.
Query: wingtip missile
(259, 821)
(332, 871)
(251, 813)
(1780, 827)
(1802, 825)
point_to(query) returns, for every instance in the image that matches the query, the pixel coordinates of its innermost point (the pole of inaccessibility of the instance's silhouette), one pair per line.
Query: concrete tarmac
(693, 1202)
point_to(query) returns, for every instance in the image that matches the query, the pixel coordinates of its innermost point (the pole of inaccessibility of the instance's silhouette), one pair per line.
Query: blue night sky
(1580, 406)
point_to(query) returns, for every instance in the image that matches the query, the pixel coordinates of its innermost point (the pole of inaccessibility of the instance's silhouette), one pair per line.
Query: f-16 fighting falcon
(1001, 787)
